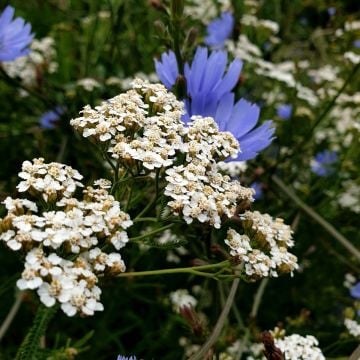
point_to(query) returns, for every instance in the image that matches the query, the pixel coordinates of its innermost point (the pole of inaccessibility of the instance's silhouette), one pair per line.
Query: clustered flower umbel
(144, 125)
(142, 129)
(293, 347)
(297, 347)
(353, 327)
(263, 245)
(63, 239)
(31, 67)
(199, 191)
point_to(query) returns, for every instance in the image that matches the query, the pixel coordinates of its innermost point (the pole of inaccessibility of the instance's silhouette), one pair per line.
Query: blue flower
(356, 43)
(15, 36)
(322, 163)
(209, 93)
(49, 118)
(219, 30)
(258, 190)
(120, 357)
(284, 111)
(331, 11)
(355, 291)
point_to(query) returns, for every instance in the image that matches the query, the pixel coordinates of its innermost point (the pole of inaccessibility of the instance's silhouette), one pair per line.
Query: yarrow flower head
(284, 111)
(69, 228)
(15, 36)
(263, 247)
(121, 357)
(297, 347)
(219, 30)
(144, 124)
(209, 88)
(321, 165)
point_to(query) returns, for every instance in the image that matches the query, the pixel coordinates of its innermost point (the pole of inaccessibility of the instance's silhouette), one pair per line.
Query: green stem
(30, 345)
(258, 297)
(254, 311)
(315, 216)
(219, 324)
(11, 315)
(144, 219)
(190, 270)
(17, 84)
(176, 31)
(153, 201)
(151, 233)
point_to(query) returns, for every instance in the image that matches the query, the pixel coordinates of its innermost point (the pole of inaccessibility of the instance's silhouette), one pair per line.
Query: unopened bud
(160, 28)
(191, 36)
(180, 87)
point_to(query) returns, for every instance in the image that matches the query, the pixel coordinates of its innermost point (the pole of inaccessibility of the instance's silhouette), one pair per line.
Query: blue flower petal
(15, 36)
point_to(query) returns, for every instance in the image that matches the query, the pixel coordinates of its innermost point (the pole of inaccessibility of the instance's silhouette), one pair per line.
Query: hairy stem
(11, 315)
(29, 348)
(219, 325)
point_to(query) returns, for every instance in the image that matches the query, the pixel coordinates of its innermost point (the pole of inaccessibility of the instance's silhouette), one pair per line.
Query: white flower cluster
(297, 347)
(251, 20)
(181, 298)
(198, 190)
(353, 327)
(352, 57)
(293, 347)
(283, 72)
(232, 168)
(350, 197)
(52, 181)
(142, 124)
(263, 247)
(30, 68)
(69, 226)
(88, 84)
(126, 83)
(206, 10)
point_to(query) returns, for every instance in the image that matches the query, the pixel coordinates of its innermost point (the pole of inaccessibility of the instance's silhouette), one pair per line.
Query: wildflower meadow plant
(209, 93)
(146, 226)
(15, 35)
(219, 30)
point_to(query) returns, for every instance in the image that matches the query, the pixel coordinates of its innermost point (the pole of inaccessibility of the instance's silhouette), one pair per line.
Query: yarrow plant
(64, 237)
(62, 246)
(143, 217)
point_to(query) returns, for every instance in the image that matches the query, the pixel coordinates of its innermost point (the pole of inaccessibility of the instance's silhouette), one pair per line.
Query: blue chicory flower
(355, 291)
(209, 93)
(331, 11)
(121, 357)
(321, 165)
(356, 43)
(219, 30)
(284, 111)
(15, 36)
(49, 118)
(258, 190)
